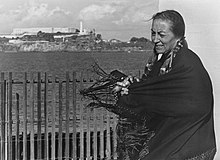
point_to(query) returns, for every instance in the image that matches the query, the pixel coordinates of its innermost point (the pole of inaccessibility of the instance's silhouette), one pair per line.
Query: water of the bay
(59, 62)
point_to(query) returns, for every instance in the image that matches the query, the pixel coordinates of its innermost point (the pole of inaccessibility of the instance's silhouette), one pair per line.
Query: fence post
(10, 116)
(25, 116)
(102, 134)
(88, 132)
(67, 116)
(46, 144)
(115, 136)
(81, 122)
(2, 117)
(32, 115)
(17, 139)
(95, 133)
(74, 117)
(53, 115)
(108, 137)
(60, 121)
(39, 116)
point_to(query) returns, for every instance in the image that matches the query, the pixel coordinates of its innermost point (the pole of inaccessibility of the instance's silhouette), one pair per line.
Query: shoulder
(187, 57)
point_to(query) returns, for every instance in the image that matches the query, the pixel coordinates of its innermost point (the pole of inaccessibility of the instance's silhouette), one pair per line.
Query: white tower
(81, 28)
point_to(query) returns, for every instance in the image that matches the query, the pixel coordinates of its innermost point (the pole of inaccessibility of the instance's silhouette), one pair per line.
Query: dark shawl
(180, 104)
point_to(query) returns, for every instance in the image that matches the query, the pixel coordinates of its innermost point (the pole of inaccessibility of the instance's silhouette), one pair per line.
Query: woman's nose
(156, 39)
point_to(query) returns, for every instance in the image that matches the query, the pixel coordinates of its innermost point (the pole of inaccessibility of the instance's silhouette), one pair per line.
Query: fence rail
(44, 117)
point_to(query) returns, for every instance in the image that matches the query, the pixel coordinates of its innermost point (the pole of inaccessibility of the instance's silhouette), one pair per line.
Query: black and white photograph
(109, 80)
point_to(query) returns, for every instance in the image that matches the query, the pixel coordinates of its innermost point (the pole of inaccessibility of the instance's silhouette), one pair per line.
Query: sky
(120, 19)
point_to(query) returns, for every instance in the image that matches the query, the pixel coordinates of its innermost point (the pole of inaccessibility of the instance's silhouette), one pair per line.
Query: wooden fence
(44, 117)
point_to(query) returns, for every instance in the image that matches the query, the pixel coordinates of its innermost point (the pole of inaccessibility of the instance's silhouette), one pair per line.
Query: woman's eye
(162, 35)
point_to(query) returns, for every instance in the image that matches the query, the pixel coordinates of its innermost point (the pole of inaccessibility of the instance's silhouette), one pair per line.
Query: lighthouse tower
(81, 28)
(82, 31)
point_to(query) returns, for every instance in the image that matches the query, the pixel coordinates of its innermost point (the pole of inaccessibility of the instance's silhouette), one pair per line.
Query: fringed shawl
(181, 102)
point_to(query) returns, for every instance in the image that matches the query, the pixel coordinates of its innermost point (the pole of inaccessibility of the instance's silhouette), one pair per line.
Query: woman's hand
(122, 87)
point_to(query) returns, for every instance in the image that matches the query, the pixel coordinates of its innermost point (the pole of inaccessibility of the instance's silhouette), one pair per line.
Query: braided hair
(178, 24)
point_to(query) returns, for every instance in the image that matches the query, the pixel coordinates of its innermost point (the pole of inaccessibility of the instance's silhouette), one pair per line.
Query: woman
(172, 105)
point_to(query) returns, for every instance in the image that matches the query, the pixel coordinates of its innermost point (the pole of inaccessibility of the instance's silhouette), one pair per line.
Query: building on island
(61, 32)
(34, 31)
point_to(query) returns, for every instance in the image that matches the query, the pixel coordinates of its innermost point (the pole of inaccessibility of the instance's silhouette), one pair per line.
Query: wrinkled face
(162, 36)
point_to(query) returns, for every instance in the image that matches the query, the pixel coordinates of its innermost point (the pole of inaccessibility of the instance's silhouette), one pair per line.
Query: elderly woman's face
(162, 36)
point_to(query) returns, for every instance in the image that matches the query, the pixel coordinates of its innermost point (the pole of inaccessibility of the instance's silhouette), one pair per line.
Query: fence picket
(114, 136)
(108, 136)
(81, 133)
(39, 148)
(2, 116)
(53, 115)
(81, 122)
(67, 116)
(10, 116)
(60, 121)
(46, 144)
(74, 117)
(32, 115)
(6, 120)
(95, 133)
(88, 132)
(102, 134)
(17, 121)
(25, 116)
